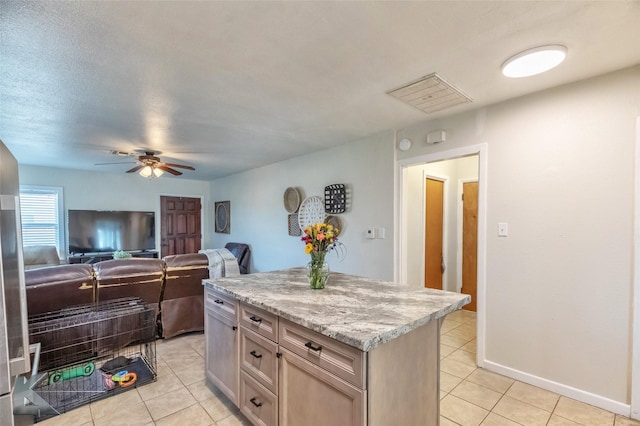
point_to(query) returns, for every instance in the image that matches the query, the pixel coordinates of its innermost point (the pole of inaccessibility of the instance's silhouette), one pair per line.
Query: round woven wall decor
(291, 199)
(311, 212)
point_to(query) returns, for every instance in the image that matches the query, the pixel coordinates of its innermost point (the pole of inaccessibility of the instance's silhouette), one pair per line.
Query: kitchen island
(359, 352)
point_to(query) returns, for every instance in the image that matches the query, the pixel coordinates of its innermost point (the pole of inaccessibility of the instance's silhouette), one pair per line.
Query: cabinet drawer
(260, 321)
(258, 404)
(221, 304)
(258, 358)
(342, 360)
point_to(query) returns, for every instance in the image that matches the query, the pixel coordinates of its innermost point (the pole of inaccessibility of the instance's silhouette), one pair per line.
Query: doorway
(180, 225)
(407, 251)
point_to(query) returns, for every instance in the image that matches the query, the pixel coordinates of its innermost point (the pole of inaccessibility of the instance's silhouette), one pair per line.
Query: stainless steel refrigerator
(14, 337)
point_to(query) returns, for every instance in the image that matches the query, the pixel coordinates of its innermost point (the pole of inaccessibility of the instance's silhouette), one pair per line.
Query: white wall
(258, 216)
(559, 288)
(118, 191)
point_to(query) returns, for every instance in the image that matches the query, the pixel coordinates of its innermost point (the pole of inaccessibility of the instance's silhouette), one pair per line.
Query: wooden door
(470, 242)
(433, 259)
(180, 225)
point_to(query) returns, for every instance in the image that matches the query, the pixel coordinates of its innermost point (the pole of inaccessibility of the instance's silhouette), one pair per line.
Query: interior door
(180, 228)
(433, 257)
(470, 242)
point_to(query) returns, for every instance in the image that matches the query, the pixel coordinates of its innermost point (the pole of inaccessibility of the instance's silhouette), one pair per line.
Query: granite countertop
(361, 312)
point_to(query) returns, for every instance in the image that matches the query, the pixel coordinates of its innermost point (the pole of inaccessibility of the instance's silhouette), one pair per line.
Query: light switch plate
(503, 229)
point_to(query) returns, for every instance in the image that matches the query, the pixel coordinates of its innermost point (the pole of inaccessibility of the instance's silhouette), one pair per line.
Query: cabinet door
(311, 396)
(221, 354)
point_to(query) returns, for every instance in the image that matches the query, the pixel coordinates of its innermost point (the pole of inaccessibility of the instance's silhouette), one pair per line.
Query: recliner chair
(242, 252)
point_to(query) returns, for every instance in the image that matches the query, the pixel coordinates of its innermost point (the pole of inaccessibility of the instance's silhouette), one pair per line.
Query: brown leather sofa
(65, 301)
(172, 286)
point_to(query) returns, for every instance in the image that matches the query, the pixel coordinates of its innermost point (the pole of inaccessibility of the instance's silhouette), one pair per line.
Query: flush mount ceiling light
(534, 61)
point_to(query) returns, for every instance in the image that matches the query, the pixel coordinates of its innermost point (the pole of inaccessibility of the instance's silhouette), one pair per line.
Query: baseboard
(559, 388)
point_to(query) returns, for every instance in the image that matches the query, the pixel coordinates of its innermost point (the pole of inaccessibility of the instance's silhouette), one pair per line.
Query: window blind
(40, 211)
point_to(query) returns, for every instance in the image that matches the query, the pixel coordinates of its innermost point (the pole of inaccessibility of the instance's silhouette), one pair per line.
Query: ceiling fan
(149, 164)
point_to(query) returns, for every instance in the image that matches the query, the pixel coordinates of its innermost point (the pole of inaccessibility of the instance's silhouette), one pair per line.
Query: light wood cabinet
(281, 373)
(221, 346)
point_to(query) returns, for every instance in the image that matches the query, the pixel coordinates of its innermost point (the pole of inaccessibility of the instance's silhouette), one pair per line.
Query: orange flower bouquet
(319, 239)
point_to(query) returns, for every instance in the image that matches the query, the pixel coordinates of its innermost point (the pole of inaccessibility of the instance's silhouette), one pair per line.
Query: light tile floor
(469, 395)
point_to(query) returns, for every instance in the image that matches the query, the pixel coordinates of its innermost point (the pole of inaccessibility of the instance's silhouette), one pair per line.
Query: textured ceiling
(230, 86)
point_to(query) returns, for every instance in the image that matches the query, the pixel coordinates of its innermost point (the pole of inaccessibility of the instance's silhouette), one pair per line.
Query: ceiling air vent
(430, 94)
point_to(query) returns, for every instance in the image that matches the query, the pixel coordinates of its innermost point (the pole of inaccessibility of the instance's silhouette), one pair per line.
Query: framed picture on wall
(223, 217)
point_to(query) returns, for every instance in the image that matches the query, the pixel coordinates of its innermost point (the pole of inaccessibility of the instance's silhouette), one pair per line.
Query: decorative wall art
(311, 212)
(223, 217)
(293, 225)
(335, 198)
(291, 199)
(335, 221)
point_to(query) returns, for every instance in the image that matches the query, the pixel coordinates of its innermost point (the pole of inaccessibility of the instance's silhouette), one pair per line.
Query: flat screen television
(97, 231)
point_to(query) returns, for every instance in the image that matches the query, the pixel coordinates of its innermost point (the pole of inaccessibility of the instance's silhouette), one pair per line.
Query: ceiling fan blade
(182, 166)
(120, 162)
(168, 169)
(135, 169)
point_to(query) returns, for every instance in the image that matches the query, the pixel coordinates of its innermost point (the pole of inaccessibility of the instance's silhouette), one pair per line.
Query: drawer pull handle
(219, 302)
(255, 402)
(255, 319)
(313, 348)
(256, 354)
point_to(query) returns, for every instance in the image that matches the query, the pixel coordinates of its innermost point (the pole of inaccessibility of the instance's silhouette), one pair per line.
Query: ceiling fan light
(157, 172)
(534, 61)
(146, 171)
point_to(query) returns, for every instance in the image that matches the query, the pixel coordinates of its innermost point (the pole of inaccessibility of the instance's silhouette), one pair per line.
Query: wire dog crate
(90, 352)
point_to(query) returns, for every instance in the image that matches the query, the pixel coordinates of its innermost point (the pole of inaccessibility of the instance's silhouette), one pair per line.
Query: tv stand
(99, 257)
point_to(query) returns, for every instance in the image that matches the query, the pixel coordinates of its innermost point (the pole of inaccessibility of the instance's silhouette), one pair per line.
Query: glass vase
(318, 271)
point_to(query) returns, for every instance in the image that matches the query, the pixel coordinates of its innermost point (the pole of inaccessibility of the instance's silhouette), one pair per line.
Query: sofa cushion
(135, 277)
(182, 306)
(184, 274)
(57, 287)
